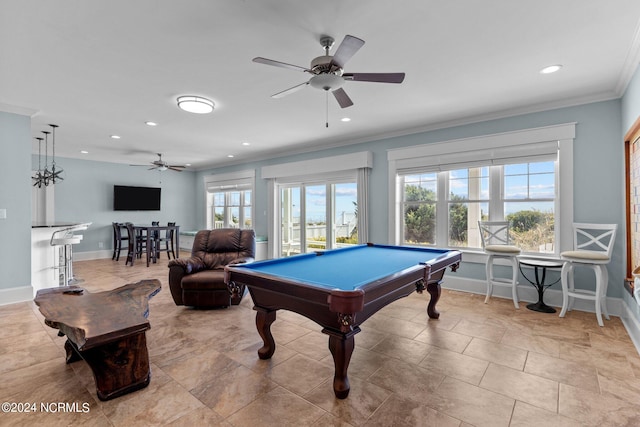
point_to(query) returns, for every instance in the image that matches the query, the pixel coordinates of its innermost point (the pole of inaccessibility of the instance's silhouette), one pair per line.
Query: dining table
(147, 232)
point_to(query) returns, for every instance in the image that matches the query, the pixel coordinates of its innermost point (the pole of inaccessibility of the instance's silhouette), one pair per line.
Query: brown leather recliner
(198, 281)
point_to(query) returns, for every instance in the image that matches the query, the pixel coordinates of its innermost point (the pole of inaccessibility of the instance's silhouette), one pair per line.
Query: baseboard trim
(89, 255)
(552, 297)
(15, 295)
(527, 293)
(632, 326)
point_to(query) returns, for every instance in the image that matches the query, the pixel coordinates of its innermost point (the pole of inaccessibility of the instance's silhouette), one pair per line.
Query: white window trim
(496, 147)
(346, 165)
(244, 180)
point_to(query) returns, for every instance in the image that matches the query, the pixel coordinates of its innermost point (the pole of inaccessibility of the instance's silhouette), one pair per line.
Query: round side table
(540, 267)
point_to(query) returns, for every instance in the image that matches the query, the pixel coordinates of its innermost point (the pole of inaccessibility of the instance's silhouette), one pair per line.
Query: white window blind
(242, 180)
(538, 152)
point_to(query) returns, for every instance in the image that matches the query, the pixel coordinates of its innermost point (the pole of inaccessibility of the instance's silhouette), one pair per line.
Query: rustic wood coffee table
(106, 329)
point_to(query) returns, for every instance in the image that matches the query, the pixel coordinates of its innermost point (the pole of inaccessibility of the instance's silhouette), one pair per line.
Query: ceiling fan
(328, 71)
(161, 165)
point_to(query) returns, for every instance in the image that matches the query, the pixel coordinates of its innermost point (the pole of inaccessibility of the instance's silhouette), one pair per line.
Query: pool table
(339, 289)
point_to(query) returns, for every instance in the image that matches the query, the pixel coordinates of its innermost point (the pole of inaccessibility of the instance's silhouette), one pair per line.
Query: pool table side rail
(321, 304)
(433, 264)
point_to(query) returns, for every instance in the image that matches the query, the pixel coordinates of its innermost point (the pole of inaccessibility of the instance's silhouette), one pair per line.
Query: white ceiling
(98, 68)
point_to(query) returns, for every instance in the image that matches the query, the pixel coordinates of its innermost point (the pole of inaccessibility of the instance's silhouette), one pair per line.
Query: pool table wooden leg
(341, 347)
(264, 319)
(434, 291)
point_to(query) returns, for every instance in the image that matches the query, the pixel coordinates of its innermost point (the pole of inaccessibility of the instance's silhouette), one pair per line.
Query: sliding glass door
(317, 216)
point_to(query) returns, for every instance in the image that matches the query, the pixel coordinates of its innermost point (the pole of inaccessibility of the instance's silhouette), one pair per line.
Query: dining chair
(137, 244)
(168, 240)
(118, 238)
(496, 243)
(592, 248)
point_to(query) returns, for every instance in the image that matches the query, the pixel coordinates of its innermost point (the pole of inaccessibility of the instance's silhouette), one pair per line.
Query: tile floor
(479, 365)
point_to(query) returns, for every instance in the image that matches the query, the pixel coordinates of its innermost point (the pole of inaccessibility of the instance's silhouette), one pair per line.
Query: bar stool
(496, 244)
(592, 248)
(63, 240)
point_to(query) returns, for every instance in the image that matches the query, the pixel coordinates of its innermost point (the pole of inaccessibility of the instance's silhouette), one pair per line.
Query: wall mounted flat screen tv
(127, 198)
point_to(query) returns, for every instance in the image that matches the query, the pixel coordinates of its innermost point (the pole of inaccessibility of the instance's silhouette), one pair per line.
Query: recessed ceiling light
(195, 104)
(84, 152)
(187, 164)
(115, 136)
(230, 155)
(151, 123)
(550, 69)
(246, 144)
(345, 119)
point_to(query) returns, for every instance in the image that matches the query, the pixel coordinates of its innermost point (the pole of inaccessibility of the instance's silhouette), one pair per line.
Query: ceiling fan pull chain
(326, 93)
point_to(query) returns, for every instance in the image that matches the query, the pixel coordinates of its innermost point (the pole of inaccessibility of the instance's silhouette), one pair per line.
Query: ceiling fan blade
(176, 168)
(375, 77)
(266, 61)
(290, 90)
(349, 46)
(342, 98)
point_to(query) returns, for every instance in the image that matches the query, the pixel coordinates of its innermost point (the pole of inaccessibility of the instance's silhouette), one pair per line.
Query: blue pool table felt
(347, 268)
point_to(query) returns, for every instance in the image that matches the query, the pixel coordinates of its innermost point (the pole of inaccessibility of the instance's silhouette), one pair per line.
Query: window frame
(313, 181)
(495, 203)
(227, 183)
(356, 165)
(497, 149)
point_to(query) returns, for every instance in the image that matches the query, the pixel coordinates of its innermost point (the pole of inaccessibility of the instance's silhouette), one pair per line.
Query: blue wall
(631, 102)
(15, 197)
(86, 195)
(598, 175)
(86, 192)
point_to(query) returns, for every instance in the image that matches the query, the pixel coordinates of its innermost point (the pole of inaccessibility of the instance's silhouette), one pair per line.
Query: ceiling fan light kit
(195, 104)
(161, 166)
(328, 71)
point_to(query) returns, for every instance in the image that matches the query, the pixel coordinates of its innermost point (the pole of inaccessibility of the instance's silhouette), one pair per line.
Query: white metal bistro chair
(592, 247)
(496, 244)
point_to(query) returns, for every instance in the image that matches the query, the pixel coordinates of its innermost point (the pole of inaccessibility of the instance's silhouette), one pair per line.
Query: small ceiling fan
(328, 71)
(161, 165)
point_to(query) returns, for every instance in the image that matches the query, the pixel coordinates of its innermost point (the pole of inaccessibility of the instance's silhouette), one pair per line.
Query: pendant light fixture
(55, 173)
(45, 173)
(46, 176)
(38, 177)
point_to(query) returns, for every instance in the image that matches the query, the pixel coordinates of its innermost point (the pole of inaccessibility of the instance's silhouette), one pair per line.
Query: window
(420, 197)
(528, 204)
(441, 190)
(468, 198)
(229, 200)
(229, 209)
(324, 209)
(318, 216)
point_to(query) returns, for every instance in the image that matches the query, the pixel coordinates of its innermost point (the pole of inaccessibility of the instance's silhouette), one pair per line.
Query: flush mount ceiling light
(550, 69)
(195, 104)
